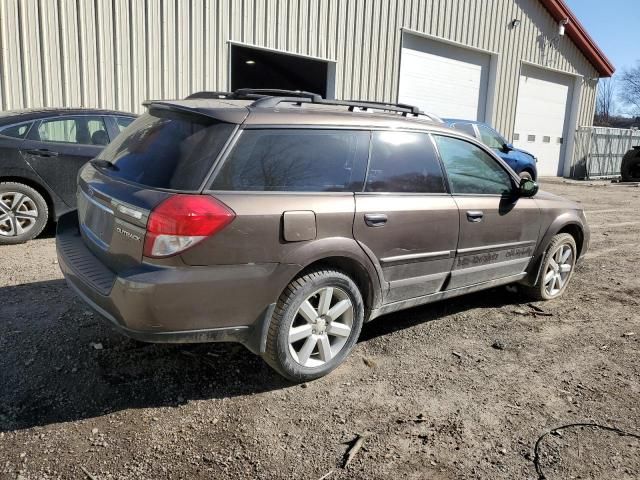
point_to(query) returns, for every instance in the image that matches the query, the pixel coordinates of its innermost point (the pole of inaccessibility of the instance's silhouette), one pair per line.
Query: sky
(613, 24)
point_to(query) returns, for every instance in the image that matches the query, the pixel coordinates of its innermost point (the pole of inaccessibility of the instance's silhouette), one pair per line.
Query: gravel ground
(455, 390)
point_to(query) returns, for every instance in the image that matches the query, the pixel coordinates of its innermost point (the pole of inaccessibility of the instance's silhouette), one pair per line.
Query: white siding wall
(117, 53)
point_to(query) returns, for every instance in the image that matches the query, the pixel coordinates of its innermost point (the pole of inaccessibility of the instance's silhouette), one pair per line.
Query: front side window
(123, 122)
(404, 162)
(16, 131)
(295, 160)
(471, 170)
(83, 130)
(490, 137)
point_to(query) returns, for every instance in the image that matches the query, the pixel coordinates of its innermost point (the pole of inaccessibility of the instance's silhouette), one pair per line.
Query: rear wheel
(557, 268)
(23, 213)
(315, 325)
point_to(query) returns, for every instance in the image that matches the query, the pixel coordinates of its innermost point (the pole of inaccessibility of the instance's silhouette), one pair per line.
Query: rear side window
(296, 160)
(83, 130)
(167, 150)
(466, 128)
(16, 131)
(404, 162)
(471, 170)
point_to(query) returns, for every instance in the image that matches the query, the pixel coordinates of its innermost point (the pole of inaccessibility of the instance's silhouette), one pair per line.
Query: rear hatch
(163, 153)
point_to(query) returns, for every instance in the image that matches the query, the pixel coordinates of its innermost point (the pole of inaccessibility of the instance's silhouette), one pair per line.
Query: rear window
(296, 160)
(165, 149)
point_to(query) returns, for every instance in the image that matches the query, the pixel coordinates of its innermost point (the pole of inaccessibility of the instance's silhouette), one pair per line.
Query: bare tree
(630, 87)
(605, 101)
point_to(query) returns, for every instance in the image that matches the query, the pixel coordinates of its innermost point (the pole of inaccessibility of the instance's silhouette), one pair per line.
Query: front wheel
(557, 268)
(23, 213)
(524, 175)
(315, 325)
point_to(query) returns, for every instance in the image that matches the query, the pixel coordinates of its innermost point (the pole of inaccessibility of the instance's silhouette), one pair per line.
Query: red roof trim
(559, 10)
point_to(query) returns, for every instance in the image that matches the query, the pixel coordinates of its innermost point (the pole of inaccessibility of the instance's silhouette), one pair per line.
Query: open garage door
(542, 116)
(260, 68)
(444, 79)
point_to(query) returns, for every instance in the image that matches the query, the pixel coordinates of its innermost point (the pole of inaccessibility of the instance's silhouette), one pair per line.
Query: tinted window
(490, 137)
(403, 162)
(123, 122)
(296, 160)
(167, 150)
(16, 131)
(466, 128)
(85, 130)
(470, 169)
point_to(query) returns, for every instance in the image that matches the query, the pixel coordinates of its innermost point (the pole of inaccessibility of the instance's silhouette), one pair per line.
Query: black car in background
(41, 152)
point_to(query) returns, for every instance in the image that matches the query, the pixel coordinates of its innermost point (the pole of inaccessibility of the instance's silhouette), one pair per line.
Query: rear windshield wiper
(97, 162)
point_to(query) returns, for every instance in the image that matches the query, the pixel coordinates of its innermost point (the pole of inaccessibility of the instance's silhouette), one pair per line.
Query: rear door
(498, 231)
(405, 219)
(56, 148)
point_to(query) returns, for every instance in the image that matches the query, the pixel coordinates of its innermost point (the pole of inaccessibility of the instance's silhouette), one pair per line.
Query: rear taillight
(181, 221)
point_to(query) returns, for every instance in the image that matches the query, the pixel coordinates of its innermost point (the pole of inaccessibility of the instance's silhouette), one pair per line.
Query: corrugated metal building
(500, 61)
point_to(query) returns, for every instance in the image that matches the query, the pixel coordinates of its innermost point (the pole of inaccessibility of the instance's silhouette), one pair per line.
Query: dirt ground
(456, 390)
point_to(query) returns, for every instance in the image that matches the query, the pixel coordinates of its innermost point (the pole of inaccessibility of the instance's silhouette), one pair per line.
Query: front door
(56, 149)
(405, 220)
(498, 231)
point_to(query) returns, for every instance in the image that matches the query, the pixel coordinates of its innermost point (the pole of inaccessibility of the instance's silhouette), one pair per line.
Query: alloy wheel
(18, 213)
(558, 270)
(321, 327)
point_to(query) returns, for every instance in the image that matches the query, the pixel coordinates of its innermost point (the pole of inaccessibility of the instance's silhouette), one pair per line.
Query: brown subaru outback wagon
(284, 221)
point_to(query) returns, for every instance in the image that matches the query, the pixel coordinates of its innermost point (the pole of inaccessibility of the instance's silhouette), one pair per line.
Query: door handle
(375, 219)
(474, 216)
(43, 152)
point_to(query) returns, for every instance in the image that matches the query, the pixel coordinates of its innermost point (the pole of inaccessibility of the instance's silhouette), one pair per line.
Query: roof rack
(271, 98)
(212, 95)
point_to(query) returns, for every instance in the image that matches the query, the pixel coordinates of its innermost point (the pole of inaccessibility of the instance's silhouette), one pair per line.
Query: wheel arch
(355, 270)
(563, 224)
(38, 187)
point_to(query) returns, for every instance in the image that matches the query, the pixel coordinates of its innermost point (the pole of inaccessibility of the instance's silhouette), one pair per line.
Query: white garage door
(443, 79)
(542, 116)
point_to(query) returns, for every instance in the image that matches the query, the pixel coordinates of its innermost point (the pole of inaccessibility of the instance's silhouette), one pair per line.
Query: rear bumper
(173, 304)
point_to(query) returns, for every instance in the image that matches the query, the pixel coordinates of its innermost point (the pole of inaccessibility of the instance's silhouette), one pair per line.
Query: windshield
(167, 149)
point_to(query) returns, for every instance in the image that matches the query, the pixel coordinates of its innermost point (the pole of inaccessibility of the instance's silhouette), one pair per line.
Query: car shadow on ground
(60, 362)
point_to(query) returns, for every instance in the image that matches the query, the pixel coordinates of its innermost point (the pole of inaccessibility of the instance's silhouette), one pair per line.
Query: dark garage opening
(255, 68)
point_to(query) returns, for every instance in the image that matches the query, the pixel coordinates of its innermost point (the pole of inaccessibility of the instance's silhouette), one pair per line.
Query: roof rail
(271, 98)
(271, 92)
(212, 95)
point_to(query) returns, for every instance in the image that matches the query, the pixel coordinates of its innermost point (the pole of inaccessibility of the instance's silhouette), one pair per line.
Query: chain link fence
(599, 150)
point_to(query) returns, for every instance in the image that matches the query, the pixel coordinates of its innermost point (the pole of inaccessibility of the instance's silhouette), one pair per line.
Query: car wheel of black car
(23, 213)
(315, 325)
(525, 175)
(557, 268)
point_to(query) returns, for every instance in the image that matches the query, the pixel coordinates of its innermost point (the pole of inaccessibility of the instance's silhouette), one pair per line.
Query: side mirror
(507, 147)
(528, 188)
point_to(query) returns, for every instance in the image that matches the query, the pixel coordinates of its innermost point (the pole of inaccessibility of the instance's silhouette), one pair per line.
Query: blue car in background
(523, 163)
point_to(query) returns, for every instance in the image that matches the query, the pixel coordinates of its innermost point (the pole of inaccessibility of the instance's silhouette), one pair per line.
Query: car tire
(525, 175)
(305, 340)
(630, 167)
(23, 213)
(555, 268)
